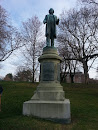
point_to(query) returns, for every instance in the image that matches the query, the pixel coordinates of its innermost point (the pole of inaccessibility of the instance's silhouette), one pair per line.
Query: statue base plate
(57, 111)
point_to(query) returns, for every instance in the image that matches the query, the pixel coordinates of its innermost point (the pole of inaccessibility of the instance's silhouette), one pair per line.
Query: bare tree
(94, 2)
(33, 43)
(79, 30)
(8, 36)
(23, 74)
(67, 65)
(64, 65)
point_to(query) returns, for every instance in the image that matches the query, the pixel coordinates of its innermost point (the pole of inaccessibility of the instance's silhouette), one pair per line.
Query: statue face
(51, 11)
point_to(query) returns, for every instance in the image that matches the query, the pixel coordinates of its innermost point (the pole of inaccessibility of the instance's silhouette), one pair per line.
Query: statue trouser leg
(52, 42)
(48, 41)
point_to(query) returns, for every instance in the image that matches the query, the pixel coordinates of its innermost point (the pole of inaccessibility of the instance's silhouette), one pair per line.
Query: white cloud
(10, 65)
(92, 71)
(7, 68)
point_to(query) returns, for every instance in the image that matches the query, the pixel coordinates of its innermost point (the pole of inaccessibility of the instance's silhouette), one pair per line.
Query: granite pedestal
(49, 101)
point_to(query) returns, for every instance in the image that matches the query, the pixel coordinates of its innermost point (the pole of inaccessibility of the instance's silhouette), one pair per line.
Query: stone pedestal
(49, 101)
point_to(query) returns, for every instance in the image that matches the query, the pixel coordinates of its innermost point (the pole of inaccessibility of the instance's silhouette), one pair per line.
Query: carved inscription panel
(48, 71)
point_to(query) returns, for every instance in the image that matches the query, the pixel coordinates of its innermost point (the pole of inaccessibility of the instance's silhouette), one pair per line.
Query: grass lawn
(84, 107)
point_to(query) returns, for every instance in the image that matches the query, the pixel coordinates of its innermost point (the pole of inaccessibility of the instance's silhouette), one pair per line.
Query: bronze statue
(51, 21)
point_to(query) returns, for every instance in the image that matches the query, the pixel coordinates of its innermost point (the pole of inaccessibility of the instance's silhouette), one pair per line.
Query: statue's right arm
(45, 20)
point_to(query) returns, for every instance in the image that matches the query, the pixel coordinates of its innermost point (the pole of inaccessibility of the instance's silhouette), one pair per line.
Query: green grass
(84, 107)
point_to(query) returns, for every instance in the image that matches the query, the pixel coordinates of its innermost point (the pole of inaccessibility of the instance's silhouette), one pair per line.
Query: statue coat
(51, 21)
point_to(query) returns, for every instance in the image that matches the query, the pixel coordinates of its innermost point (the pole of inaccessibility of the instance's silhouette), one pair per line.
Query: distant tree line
(23, 75)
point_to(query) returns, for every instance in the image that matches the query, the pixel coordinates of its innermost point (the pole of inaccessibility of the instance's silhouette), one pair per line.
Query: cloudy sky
(21, 10)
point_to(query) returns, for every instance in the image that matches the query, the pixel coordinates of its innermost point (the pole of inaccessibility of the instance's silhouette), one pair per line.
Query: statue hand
(44, 21)
(57, 22)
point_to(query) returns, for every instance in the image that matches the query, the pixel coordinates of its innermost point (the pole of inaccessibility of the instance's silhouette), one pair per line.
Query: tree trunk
(63, 77)
(33, 78)
(33, 74)
(72, 77)
(85, 67)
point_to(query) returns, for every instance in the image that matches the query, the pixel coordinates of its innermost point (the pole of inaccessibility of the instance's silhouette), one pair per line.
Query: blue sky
(21, 10)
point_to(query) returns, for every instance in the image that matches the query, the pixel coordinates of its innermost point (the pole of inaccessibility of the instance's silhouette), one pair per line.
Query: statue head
(51, 11)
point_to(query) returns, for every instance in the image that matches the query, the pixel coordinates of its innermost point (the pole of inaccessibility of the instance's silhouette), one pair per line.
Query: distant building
(93, 80)
(78, 78)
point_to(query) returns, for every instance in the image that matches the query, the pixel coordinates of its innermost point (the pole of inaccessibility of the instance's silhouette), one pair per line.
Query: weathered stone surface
(49, 91)
(50, 53)
(58, 111)
(49, 99)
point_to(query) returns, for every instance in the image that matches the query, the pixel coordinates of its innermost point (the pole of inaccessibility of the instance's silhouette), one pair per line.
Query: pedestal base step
(58, 111)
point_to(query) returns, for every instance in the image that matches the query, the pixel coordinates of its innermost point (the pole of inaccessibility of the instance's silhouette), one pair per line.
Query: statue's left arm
(45, 20)
(57, 21)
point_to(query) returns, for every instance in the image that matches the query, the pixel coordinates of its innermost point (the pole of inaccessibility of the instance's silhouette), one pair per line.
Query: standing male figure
(51, 21)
